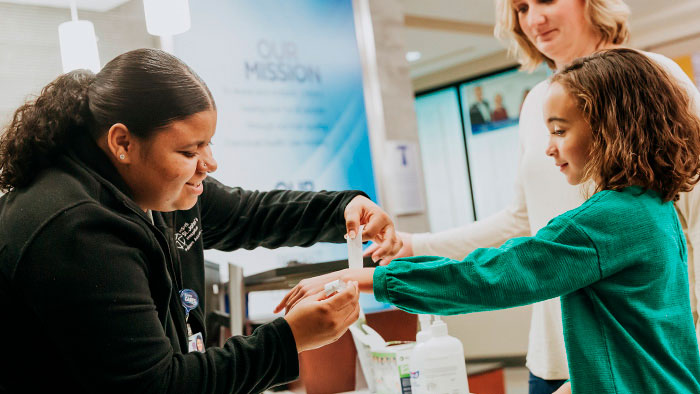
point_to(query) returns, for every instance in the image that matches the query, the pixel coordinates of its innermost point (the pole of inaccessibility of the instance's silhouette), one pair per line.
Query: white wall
(388, 92)
(29, 51)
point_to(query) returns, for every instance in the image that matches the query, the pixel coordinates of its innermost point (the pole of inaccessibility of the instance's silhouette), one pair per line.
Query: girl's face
(166, 171)
(557, 28)
(570, 136)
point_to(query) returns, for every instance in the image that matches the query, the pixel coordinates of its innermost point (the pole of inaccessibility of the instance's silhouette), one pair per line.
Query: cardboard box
(390, 366)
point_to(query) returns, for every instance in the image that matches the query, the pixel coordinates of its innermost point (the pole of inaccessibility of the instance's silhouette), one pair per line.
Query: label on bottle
(442, 375)
(416, 383)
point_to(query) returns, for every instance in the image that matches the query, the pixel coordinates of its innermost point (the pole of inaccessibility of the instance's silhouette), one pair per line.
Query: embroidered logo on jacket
(188, 234)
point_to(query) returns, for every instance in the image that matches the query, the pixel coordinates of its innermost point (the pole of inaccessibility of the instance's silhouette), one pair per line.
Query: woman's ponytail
(40, 129)
(144, 89)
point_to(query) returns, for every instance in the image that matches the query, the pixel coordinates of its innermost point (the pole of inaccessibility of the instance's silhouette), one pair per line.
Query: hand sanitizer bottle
(441, 368)
(418, 355)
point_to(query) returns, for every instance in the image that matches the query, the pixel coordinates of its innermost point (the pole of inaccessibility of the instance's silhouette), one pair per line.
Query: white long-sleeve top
(541, 193)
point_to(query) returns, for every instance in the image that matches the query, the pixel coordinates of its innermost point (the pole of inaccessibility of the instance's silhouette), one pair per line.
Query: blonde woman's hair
(608, 17)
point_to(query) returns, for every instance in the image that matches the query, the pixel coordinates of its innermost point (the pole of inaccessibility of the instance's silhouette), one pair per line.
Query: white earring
(122, 156)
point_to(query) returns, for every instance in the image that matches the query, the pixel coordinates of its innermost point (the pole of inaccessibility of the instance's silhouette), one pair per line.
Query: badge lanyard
(189, 300)
(188, 297)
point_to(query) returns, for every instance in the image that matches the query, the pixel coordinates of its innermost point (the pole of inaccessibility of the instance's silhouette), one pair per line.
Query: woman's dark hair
(144, 89)
(645, 129)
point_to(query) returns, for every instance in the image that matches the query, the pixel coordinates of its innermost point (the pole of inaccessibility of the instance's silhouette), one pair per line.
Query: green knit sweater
(619, 264)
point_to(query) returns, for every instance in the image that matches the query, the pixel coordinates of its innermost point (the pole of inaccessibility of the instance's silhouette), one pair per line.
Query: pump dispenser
(439, 363)
(424, 327)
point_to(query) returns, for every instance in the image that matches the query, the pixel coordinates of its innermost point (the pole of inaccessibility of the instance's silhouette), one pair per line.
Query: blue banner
(287, 80)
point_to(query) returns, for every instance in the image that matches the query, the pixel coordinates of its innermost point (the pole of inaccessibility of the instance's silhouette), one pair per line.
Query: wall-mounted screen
(468, 134)
(491, 106)
(444, 161)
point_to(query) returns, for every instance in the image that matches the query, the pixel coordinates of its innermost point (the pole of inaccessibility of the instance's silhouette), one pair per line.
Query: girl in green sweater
(619, 126)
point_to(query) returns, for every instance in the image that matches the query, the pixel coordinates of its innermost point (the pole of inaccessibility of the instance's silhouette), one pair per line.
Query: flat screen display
(468, 134)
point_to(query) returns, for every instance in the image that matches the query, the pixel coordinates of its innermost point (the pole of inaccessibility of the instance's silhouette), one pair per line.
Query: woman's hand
(405, 251)
(316, 322)
(311, 287)
(564, 389)
(378, 226)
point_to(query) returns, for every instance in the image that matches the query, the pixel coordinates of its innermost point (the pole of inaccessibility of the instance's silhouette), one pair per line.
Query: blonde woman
(555, 32)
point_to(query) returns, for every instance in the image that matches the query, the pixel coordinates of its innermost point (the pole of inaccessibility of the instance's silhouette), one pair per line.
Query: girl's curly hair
(645, 129)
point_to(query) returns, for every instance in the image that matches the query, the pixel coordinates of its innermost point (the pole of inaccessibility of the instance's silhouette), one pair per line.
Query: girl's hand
(311, 287)
(306, 288)
(405, 251)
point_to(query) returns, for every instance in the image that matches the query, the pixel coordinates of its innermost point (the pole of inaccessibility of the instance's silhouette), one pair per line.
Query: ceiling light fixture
(413, 56)
(78, 43)
(167, 17)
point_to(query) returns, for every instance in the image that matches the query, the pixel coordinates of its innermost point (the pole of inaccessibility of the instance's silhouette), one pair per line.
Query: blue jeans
(541, 386)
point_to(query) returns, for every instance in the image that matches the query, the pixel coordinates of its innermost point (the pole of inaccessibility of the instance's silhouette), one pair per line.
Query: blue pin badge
(189, 300)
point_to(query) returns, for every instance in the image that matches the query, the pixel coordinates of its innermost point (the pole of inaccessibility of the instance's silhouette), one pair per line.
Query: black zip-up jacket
(89, 286)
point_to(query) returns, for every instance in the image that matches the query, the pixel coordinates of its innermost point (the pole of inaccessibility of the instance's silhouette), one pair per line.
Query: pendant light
(167, 17)
(78, 43)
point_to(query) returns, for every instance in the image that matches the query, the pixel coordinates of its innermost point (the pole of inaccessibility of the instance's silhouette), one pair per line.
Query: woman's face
(570, 136)
(166, 171)
(557, 28)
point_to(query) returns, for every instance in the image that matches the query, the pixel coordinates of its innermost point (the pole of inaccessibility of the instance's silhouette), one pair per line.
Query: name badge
(195, 343)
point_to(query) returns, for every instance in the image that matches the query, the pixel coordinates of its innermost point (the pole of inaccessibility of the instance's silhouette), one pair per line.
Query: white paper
(402, 178)
(355, 250)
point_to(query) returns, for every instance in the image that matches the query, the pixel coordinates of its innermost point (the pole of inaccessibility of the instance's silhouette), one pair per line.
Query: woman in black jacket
(102, 232)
